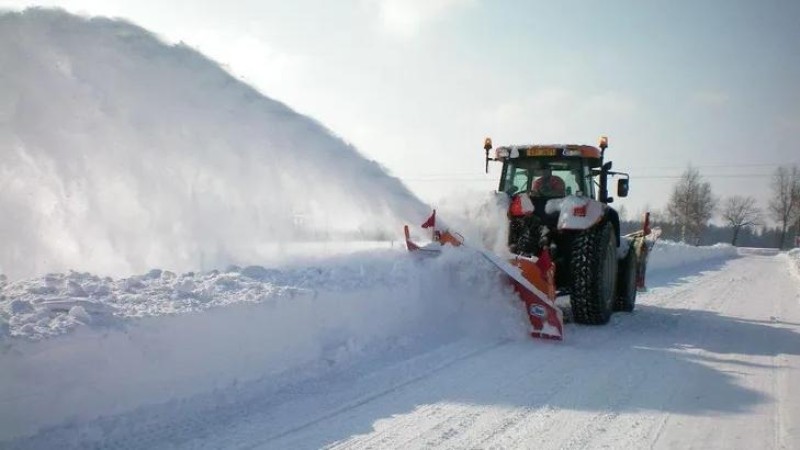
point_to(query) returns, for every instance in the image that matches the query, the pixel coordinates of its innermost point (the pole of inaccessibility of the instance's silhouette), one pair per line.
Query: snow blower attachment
(532, 279)
(564, 234)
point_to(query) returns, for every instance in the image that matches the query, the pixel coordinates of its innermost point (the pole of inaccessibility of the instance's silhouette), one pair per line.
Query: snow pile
(284, 324)
(119, 153)
(56, 303)
(670, 255)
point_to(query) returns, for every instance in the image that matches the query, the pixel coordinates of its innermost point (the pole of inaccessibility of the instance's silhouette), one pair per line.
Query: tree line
(692, 205)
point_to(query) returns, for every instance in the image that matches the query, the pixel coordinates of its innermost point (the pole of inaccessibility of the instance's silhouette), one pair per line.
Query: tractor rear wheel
(626, 284)
(593, 265)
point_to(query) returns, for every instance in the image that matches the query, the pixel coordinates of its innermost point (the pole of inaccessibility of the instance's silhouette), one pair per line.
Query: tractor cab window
(544, 178)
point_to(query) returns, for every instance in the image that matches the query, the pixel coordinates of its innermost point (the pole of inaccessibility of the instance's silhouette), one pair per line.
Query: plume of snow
(119, 153)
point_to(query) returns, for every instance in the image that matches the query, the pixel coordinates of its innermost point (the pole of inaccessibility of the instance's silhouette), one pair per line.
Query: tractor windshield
(544, 177)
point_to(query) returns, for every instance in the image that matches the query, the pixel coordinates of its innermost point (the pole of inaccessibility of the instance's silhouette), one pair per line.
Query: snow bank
(794, 261)
(255, 323)
(119, 153)
(47, 306)
(670, 255)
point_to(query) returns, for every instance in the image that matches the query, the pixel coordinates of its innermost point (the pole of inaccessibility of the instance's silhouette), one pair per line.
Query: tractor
(559, 202)
(563, 235)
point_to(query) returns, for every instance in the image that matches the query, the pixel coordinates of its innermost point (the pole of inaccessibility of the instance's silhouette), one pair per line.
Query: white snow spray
(119, 153)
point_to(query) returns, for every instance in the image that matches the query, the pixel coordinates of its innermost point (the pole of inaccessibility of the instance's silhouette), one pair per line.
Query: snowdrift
(119, 152)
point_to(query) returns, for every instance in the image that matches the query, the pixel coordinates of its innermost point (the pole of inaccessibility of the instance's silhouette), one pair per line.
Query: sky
(416, 85)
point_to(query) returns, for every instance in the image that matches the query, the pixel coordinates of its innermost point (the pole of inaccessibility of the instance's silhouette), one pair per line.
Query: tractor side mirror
(622, 187)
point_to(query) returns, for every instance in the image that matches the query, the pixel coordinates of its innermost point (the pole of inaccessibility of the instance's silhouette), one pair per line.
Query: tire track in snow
(372, 397)
(544, 415)
(518, 417)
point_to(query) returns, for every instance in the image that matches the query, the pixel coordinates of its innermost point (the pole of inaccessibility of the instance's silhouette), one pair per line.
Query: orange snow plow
(532, 278)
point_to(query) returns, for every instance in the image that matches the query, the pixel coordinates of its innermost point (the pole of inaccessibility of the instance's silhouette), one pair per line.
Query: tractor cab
(546, 176)
(546, 172)
(540, 173)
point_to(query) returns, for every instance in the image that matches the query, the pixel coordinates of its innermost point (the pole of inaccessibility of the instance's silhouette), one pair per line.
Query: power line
(443, 178)
(472, 176)
(710, 166)
(721, 175)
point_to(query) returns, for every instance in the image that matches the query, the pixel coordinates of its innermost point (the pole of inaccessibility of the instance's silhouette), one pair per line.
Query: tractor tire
(593, 265)
(626, 283)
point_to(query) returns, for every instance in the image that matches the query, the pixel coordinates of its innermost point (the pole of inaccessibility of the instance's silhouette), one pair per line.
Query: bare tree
(740, 212)
(691, 205)
(784, 206)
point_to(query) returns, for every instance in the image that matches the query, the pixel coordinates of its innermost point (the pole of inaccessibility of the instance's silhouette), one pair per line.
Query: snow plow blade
(533, 279)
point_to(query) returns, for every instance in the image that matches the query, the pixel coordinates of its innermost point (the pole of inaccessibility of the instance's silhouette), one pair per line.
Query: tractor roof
(553, 150)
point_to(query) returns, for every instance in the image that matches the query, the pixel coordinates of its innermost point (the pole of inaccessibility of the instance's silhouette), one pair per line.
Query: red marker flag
(431, 222)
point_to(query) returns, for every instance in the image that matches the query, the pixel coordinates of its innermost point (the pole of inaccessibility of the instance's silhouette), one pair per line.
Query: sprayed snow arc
(119, 153)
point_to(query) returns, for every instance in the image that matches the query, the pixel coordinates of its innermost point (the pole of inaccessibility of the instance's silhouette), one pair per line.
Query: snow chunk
(153, 274)
(80, 313)
(18, 307)
(256, 272)
(75, 290)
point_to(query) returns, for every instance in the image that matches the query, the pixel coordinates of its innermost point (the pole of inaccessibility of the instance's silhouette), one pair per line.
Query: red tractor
(564, 234)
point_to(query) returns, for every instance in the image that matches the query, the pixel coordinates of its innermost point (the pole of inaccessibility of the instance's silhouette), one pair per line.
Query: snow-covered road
(707, 362)
(710, 359)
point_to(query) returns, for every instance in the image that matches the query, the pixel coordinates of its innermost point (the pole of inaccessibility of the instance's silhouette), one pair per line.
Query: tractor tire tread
(588, 253)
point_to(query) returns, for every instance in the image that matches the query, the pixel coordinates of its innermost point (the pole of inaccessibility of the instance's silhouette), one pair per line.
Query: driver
(548, 185)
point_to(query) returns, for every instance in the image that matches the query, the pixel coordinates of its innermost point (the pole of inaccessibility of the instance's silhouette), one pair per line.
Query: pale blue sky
(417, 84)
